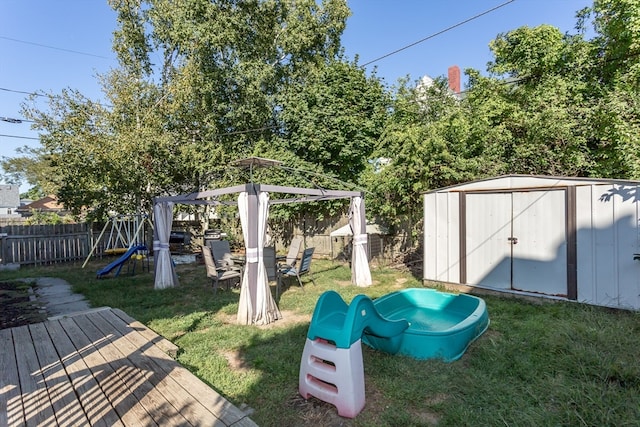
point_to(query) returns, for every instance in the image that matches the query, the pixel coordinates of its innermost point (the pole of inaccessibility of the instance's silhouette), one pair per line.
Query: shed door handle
(513, 240)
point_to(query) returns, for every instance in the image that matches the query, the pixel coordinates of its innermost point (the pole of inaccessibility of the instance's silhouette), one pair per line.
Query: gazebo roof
(289, 194)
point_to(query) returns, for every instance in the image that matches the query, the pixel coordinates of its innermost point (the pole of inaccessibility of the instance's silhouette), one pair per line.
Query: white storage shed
(375, 235)
(573, 238)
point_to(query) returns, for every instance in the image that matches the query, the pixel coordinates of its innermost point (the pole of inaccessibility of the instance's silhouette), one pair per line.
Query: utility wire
(19, 137)
(238, 132)
(55, 48)
(23, 92)
(14, 120)
(48, 96)
(439, 32)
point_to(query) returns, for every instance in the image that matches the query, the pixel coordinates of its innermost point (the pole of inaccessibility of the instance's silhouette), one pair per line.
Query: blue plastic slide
(120, 261)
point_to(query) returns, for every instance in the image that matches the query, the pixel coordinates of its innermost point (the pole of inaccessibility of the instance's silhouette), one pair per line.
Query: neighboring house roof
(46, 204)
(9, 196)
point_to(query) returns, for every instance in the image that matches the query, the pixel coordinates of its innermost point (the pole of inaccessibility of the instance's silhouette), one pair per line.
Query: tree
(333, 118)
(616, 79)
(617, 41)
(553, 104)
(226, 63)
(424, 146)
(32, 166)
(546, 87)
(175, 126)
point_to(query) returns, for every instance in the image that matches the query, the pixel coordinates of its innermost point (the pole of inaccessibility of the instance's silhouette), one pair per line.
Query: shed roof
(346, 230)
(508, 182)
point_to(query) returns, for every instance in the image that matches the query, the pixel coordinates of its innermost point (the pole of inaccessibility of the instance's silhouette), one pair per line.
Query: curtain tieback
(159, 246)
(360, 239)
(251, 255)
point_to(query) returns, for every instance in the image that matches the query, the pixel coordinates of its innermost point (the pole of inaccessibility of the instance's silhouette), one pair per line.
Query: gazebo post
(360, 273)
(252, 248)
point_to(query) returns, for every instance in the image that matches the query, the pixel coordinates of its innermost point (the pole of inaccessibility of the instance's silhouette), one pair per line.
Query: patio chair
(221, 252)
(305, 268)
(294, 250)
(217, 274)
(269, 258)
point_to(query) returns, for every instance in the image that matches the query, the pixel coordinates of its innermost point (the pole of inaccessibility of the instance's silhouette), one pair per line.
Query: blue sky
(81, 33)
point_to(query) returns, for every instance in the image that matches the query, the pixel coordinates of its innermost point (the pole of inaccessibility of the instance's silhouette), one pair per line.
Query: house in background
(453, 80)
(9, 201)
(48, 204)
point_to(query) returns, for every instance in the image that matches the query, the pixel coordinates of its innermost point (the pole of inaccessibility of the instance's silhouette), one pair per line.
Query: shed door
(517, 241)
(488, 229)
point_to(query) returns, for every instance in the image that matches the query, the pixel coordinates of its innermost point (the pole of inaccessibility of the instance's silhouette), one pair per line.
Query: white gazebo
(256, 306)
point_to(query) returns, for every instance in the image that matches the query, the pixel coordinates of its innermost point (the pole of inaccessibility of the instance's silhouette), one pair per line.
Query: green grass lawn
(538, 364)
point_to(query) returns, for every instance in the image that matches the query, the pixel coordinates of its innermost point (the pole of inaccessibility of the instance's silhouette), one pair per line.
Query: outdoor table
(239, 259)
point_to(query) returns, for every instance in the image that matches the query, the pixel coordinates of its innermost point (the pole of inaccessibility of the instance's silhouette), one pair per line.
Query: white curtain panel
(360, 273)
(165, 273)
(266, 308)
(245, 308)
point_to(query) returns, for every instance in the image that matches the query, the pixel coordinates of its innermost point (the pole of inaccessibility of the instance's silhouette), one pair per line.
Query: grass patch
(544, 363)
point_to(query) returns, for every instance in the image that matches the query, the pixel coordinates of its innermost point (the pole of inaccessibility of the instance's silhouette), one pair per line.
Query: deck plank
(11, 410)
(66, 406)
(35, 399)
(93, 400)
(130, 378)
(164, 344)
(214, 402)
(124, 403)
(102, 368)
(148, 392)
(174, 390)
(162, 386)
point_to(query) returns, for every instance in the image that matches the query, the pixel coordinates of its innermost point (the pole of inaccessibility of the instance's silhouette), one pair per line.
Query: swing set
(125, 232)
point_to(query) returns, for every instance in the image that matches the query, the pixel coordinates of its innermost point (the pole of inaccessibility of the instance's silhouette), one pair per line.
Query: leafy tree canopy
(202, 83)
(235, 79)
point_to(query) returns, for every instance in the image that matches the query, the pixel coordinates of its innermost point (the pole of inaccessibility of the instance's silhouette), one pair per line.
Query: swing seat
(115, 251)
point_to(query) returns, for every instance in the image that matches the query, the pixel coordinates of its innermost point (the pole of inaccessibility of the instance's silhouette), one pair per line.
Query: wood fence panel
(44, 244)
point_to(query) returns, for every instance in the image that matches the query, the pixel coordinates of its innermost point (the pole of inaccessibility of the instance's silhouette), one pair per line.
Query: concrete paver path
(58, 298)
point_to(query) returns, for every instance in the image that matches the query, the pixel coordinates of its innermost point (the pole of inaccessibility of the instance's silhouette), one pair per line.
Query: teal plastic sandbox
(441, 324)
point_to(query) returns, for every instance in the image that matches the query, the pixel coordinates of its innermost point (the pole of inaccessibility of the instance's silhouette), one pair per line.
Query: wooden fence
(48, 244)
(45, 244)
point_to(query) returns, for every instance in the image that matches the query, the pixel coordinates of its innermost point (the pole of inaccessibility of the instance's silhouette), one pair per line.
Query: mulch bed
(18, 305)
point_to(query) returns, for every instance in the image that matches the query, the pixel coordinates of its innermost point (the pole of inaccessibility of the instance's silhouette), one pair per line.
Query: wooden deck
(101, 368)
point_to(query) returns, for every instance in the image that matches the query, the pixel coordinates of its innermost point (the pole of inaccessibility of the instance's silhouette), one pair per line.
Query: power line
(439, 32)
(19, 137)
(55, 48)
(238, 132)
(23, 92)
(47, 96)
(14, 120)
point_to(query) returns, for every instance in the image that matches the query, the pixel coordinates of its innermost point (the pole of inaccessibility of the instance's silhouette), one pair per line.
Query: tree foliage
(334, 118)
(552, 104)
(204, 82)
(229, 84)
(423, 147)
(33, 167)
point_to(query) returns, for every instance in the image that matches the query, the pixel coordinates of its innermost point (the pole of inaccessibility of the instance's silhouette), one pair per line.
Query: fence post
(3, 246)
